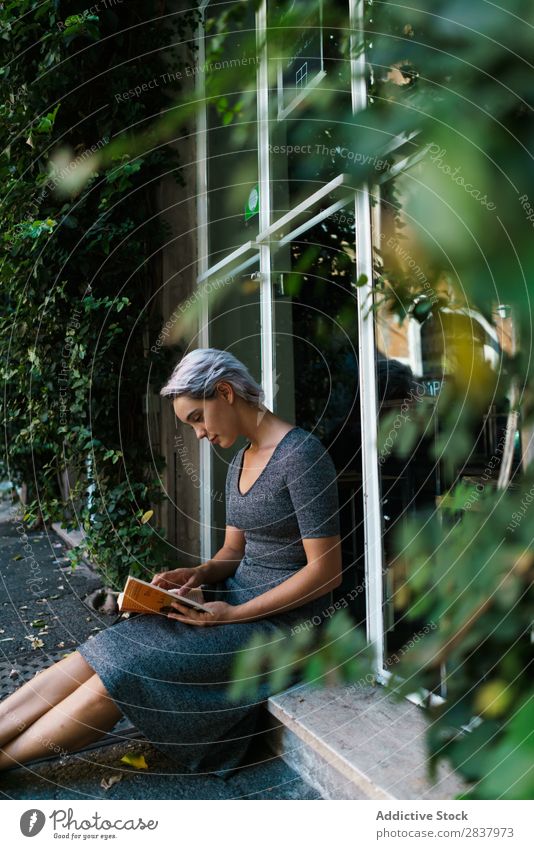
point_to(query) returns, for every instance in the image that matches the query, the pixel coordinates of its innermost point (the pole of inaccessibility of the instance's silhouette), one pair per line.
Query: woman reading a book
(169, 674)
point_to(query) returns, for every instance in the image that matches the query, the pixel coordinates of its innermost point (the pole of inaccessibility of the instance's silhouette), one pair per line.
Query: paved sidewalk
(42, 617)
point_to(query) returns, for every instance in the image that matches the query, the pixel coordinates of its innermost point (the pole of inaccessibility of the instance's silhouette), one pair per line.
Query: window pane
(232, 165)
(316, 367)
(309, 78)
(422, 324)
(235, 327)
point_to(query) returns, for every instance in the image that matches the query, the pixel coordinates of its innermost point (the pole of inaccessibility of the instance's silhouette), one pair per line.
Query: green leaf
(46, 123)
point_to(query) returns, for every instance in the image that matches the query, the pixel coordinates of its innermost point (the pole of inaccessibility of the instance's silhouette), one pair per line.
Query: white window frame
(272, 234)
(202, 266)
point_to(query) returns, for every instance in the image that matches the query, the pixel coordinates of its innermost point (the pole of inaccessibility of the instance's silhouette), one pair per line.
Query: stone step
(356, 742)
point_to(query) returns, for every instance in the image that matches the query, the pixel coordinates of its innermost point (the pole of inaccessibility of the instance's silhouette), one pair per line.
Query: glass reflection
(232, 138)
(309, 78)
(234, 326)
(425, 334)
(316, 368)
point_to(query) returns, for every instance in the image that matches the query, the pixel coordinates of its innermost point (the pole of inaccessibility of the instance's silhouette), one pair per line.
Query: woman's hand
(220, 612)
(181, 579)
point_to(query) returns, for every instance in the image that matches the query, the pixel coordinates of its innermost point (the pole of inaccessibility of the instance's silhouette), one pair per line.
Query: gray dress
(170, 679)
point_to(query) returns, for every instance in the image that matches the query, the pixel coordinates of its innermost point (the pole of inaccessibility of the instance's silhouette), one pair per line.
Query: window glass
(232, 166)
(421, 323)
(316, 367)
(234, 326)
(309, 79)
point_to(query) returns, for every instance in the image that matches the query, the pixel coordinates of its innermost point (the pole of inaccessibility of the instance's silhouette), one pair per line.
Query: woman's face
(214, 419)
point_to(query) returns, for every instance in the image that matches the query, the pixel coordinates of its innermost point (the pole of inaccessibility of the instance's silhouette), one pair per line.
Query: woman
(169, 674)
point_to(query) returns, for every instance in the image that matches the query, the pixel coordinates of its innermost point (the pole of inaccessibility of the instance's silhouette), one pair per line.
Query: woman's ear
(226, 391)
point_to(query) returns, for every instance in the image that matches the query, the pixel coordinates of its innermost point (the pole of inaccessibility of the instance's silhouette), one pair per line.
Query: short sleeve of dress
(310, 477)
(229, 496)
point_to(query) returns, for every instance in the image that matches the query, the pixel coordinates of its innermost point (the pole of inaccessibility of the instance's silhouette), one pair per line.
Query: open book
(141, 597)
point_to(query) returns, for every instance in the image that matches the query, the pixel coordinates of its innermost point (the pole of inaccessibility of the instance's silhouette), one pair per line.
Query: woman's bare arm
(225, 562)
(322, 573)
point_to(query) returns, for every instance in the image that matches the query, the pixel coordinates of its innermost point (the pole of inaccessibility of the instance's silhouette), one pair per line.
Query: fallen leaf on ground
(137, 761)
(106, 783)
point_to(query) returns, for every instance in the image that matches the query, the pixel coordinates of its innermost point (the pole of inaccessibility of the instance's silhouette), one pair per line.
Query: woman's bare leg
(41, 693)
(81, 718)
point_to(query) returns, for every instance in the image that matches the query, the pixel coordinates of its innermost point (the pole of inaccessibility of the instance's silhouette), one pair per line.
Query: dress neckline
(240, 469)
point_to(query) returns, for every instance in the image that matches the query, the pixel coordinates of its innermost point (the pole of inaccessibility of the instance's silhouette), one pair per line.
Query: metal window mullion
(225, 263)
(368, 395)
(203, 262)
(270, 231)
(369, 418)
(316, 219)
(266, 302)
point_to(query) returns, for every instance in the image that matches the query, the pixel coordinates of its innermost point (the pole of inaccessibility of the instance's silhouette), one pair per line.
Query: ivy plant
(79, 269)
